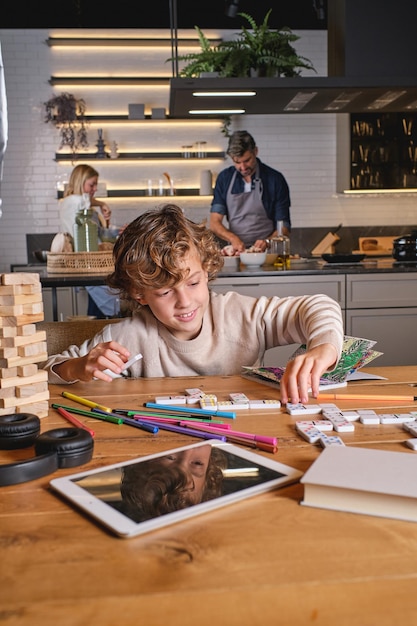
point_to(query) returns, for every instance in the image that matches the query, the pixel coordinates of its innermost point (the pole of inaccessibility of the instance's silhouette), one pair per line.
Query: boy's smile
(181, 307)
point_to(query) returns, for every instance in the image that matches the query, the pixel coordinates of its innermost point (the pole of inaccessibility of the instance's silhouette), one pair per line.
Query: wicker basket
(80, 262)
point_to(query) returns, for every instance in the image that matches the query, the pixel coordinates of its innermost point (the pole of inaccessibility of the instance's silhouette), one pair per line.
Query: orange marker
(364, 396)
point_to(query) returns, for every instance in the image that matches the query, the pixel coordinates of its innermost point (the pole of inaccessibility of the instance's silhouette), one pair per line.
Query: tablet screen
(146, 493)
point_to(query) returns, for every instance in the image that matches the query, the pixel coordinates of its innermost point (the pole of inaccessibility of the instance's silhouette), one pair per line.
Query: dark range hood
(372, 67)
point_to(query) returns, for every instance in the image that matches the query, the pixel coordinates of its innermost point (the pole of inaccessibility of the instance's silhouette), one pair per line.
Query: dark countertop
(302, 267)
(299, 267)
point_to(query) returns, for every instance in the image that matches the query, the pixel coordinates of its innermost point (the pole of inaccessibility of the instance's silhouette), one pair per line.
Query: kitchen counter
(300, 267)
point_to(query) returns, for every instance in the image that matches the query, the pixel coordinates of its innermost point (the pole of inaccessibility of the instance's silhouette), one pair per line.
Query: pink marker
(258, 438)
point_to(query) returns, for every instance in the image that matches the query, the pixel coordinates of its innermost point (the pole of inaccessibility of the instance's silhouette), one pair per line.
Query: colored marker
(272, 441)
(85, 402)
(103, 416)
(180, 421)
(190, 431)
(73, 420)
(367, 396)
(176, 419)
(167, 414)
(184, 409)
(151, 428)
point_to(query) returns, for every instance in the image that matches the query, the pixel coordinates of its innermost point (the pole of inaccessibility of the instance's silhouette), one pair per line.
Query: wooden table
(265, 561)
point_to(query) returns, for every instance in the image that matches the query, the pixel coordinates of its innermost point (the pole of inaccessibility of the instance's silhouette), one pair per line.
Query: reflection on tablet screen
(147, 489)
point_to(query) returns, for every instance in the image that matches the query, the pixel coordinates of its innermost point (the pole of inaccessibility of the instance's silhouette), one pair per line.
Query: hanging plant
(67, 113)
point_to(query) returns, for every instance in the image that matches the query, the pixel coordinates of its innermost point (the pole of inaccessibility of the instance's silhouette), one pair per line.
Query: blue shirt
(275, 192)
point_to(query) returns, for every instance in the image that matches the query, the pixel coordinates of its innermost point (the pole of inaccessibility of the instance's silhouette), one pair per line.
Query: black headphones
(58, 448)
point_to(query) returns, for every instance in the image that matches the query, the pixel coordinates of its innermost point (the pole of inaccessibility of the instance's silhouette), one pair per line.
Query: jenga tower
(23, 387)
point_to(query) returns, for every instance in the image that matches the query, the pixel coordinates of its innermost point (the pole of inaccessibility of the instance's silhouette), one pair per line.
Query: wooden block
(13, 290)
(16, 402)
(20, 278)
(8, 352)
(7, 342)
(11, 310)
(20, 320)
(20, 299)
(27, 329)
(22, 340)
(25, 391)
(38, 376)
(36, 288)
(27, 370)
(10, 409)
(32, 349)
(10, 392)
(19, 360)
(41, 409)
(33, 308)
(9, 331)
(8, 372)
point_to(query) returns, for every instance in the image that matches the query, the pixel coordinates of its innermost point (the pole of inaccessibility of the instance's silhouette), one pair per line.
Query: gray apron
(246, 214)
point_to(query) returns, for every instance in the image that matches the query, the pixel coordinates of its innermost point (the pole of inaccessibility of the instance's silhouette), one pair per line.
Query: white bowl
(253, 259)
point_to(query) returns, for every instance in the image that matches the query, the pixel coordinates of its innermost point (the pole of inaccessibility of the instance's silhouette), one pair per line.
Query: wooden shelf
(136, 156)
(143, 193)
(146, 42)
(148, 118)
(152, 81)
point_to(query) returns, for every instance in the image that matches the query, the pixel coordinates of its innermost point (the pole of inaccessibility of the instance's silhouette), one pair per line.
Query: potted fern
(67, 113)
(256, 51)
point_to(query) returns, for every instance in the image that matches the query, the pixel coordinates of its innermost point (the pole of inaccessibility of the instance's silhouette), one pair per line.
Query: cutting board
(376, 246)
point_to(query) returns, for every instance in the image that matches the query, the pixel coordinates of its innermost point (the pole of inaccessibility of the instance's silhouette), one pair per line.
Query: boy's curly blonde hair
(149, 252)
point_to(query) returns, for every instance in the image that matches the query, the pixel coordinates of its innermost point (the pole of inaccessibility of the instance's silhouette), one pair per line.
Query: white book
(360, 480)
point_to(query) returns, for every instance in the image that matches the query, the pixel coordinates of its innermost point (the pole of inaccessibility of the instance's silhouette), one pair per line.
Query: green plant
(225, 128)
(210, 59)
(266, 52)
(258, 51)
(67, 113)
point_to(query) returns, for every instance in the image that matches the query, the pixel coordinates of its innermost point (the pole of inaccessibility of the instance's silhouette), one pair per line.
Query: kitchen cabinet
(384, 308)
(383, 151)
(283, 286)
(70, 301)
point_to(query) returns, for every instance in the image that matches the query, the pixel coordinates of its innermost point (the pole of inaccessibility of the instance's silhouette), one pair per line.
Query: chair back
(61, 335)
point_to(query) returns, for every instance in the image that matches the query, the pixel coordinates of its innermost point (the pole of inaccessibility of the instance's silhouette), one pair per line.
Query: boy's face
(181, 308)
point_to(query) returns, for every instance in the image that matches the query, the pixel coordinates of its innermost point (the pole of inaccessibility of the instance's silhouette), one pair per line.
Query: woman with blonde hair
(79, 195)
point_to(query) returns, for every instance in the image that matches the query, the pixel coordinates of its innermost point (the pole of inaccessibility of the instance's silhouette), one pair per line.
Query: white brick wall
(303, 147)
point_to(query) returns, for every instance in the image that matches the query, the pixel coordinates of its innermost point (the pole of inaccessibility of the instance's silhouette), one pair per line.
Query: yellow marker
(92, 405)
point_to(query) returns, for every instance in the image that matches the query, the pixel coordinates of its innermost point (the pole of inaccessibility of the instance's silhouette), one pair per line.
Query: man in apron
(252, 197)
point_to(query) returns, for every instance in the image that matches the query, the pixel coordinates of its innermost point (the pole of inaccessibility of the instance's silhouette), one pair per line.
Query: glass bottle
(85, 232)
(280, 245)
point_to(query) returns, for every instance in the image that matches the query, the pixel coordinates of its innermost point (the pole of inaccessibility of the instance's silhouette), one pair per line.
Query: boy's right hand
(110, 355)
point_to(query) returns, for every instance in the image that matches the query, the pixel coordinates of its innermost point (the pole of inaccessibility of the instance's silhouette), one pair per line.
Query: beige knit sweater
(236, 331)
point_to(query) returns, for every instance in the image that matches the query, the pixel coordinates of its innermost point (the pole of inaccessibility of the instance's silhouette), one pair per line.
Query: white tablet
(140, 495)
